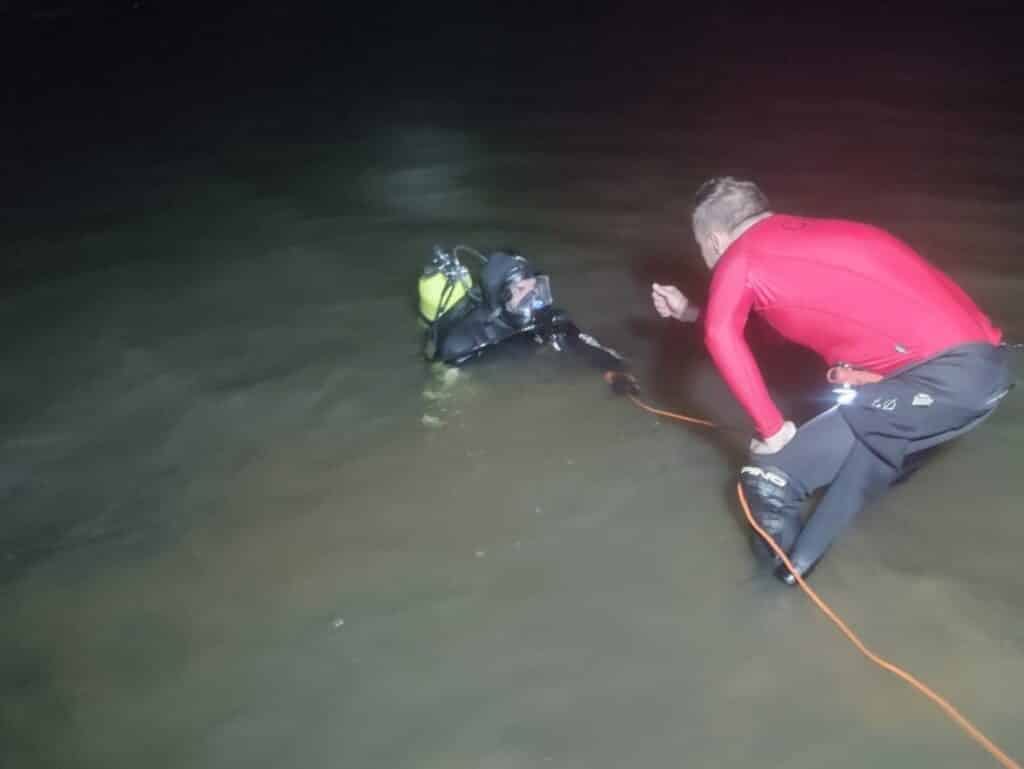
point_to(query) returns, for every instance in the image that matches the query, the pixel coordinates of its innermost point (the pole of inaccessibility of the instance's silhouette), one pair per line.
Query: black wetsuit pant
(860, 448)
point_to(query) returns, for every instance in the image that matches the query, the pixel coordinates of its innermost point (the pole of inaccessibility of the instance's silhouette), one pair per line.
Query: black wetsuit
(479, 330)
(477, 323)
(858, 449)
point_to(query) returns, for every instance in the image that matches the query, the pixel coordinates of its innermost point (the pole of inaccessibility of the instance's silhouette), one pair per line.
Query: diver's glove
(622, 382)
(552, 321)
(786, 577)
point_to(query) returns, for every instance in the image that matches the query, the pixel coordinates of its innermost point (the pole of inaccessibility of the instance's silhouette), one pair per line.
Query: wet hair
(724, 203)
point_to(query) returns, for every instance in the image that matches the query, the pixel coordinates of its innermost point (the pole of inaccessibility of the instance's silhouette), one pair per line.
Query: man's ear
(717, 242)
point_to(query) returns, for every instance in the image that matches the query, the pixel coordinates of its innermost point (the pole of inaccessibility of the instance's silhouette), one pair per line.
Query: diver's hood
(501, 269)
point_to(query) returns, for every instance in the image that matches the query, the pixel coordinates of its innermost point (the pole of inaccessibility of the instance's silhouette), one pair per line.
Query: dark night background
(242, 523)
(96, 91)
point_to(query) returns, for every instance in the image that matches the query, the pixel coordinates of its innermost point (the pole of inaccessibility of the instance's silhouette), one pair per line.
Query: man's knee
(776, 504)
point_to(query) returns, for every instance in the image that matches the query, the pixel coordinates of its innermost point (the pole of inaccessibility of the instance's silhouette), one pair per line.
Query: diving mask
(525, 297)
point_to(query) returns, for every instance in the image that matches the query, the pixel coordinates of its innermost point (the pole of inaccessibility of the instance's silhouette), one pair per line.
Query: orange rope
(960, 720)
(680, 417)
(972, 731)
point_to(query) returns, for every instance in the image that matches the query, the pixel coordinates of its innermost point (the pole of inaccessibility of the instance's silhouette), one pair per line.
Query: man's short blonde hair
(724, 203)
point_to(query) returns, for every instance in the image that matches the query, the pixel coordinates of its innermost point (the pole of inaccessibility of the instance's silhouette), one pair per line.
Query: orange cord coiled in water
(972, 731)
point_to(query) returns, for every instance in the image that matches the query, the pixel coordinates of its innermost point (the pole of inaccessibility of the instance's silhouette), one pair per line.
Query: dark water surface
(245, 525)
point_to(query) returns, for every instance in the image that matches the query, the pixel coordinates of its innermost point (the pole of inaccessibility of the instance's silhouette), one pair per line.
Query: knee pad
(776, 504)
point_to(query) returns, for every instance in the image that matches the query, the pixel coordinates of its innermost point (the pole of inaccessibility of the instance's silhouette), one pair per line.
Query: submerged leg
(777, 486)
(862, 479)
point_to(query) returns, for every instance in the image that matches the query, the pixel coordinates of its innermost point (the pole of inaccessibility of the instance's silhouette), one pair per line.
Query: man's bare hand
(851, 376)
(669, 301)
(774, 443)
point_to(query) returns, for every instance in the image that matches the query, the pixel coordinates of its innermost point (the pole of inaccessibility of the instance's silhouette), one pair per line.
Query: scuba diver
(513, 301)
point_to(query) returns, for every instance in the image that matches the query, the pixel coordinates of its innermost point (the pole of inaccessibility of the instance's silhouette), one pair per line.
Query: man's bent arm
(728, 308)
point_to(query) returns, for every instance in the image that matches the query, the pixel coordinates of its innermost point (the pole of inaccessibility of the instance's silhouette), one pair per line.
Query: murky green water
(245, 525)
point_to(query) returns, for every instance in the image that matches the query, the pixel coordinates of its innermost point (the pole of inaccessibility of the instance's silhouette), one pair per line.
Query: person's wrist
(774, 442)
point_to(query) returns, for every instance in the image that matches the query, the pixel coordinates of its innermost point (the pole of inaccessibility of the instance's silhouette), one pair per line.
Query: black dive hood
(502, 268)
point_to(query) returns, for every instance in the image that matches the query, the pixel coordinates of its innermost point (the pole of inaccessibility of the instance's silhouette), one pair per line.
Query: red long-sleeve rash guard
(851, 292)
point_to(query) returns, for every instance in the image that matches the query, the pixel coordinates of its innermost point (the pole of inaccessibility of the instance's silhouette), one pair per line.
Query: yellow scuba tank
(444, 283)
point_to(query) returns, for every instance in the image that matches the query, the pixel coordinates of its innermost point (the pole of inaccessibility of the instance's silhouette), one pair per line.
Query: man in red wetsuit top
(919, 363)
